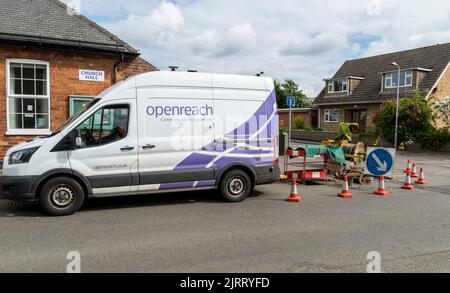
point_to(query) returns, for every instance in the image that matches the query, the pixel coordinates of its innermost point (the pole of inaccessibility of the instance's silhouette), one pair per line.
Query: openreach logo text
(158, 111)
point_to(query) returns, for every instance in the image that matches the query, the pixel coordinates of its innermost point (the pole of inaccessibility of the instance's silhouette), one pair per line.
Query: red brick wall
(134, 66)
(64, 70)
(284, 118)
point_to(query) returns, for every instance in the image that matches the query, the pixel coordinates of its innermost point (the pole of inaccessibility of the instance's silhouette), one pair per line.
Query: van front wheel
(61, 196)
(235, 186)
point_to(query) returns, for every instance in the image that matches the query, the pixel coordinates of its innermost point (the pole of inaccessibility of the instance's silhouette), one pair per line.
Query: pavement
(197, 232)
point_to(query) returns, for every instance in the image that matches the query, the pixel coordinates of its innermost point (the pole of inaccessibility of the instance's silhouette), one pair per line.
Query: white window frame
(10, 131)
(345, 82)
(390, 76)
(331, 85)
(327, 115)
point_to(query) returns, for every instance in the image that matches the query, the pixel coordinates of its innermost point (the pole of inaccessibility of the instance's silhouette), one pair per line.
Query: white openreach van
(154, 132)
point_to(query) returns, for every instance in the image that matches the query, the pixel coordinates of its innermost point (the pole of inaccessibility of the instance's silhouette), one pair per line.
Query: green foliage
(299, 123)
(281, 98)
(309, 128)
(415, 120)
(436, 138)
(290, 88)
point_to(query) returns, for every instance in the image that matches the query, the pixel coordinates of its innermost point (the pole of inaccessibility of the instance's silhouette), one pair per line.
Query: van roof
(195, 79)
(126, 88)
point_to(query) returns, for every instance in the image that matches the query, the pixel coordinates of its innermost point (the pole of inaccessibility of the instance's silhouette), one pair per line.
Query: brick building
(51, 63)
(357, 91)
(308, 115)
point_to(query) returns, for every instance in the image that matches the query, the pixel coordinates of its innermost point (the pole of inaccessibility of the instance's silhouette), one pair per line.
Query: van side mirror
(76, 136)
(69, 142)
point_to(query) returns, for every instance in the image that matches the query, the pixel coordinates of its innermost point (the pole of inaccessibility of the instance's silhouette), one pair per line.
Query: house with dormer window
(358, 90)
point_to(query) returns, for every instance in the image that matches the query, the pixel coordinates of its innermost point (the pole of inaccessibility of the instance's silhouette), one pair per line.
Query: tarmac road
(197, 232)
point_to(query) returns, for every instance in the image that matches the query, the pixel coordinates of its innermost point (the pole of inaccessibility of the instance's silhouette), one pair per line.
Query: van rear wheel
(61, 196)
(235, 186)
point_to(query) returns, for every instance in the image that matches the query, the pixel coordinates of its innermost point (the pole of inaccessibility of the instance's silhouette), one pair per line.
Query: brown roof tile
(435, 57)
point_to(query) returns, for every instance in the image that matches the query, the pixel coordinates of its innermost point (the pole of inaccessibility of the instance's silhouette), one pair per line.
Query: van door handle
(149, 146)
(127, 148)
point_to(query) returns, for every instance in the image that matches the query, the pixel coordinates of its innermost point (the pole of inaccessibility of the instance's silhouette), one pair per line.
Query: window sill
(341, 92)
(28, 132)
(395, 87)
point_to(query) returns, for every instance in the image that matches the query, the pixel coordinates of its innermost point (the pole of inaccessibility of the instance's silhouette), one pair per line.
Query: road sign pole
(291, 103)
(290, 125)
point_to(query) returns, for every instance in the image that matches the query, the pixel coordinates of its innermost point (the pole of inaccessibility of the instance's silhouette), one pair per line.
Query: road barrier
(297, 166)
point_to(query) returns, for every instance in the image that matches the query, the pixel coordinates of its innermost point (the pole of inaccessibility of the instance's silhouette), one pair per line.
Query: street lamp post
(397, 105)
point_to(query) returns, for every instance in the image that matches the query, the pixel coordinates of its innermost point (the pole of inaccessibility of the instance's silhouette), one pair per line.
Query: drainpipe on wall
(116, 66)
(319, 119)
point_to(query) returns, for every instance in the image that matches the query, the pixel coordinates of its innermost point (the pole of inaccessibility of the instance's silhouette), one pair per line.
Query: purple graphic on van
(251, 142)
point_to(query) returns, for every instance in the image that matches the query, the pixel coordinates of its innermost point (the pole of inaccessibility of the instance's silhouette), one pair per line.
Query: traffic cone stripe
(345, 193)
(381, 190)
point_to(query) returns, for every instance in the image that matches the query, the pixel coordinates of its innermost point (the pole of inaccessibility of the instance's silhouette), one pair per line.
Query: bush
(415, 120)
(299, 123)
(436, 138)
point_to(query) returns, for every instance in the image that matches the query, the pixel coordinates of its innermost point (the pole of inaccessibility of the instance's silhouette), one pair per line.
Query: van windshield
(75, 116)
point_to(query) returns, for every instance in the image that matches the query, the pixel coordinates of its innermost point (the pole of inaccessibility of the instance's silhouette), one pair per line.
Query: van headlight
(22, 156)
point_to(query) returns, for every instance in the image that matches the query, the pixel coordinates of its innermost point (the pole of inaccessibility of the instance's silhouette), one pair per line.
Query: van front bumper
(20, 188)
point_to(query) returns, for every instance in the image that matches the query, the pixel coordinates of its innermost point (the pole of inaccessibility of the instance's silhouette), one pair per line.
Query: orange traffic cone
(414, 171)
(408, 167)
(421, 179)
(381, 190)
(294, 195)
(408, 184)
(345, 193)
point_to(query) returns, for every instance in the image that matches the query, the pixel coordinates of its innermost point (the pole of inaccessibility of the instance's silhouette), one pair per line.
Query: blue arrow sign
(290, 101)
(379, 162)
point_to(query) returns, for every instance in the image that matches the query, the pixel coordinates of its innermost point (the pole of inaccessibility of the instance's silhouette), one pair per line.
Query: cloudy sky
(302, 40)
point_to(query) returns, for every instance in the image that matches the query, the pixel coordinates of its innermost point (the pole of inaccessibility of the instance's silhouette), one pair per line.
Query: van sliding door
(176, 136)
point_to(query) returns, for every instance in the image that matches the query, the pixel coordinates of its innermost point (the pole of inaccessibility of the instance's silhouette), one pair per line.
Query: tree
(290, 88)
(281, 98)
(415, 119)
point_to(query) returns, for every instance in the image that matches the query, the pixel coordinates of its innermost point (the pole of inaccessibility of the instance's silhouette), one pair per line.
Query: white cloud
(218, 44)
(306, 45)
(158, 27)
(299, 39)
